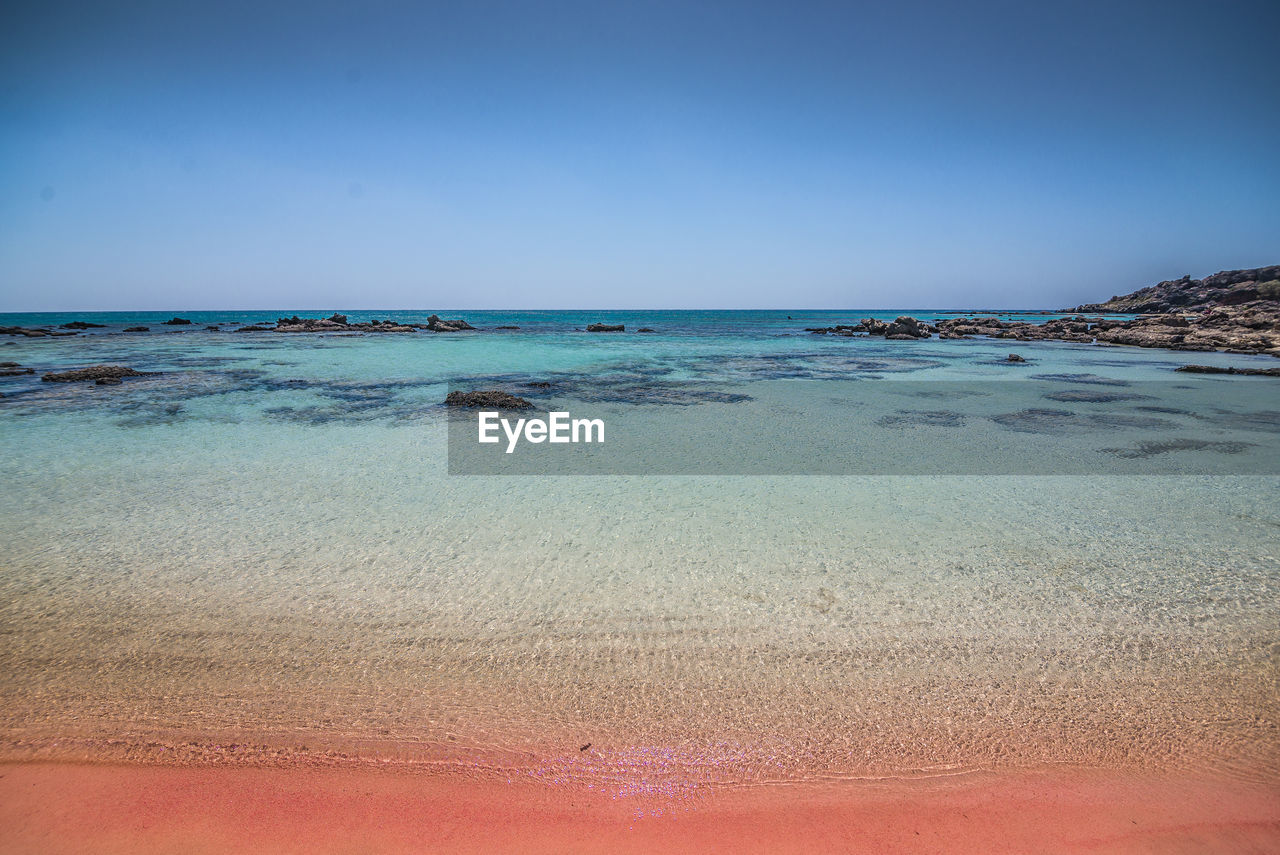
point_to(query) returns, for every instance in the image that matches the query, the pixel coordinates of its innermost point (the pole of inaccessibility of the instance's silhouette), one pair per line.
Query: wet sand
(64, 808)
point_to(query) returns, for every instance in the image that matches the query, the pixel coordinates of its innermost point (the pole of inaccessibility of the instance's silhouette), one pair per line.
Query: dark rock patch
(177, 322)
(1091, 396)
(922, 418)
(487, 398)
(93, 372)
(1153, 448)
(606, 327)
(1213, 369)
(35, 332)
(1093, 379)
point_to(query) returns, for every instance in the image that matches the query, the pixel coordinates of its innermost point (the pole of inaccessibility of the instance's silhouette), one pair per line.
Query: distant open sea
(257, 553)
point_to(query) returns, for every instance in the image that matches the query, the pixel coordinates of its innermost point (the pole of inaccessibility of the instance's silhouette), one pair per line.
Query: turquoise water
(257, 554)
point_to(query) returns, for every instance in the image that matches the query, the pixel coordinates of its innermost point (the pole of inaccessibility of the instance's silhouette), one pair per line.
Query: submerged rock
(177, 322)
(1213, 369)
(93, 372)
(81, 325)
(606, 327)
(137, 329)
(34, 332)
(487, 398)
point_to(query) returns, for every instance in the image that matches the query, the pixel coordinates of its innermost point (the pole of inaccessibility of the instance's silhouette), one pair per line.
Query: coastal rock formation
(907, 327)
(487, 398)
(177, 322)
(340, 323)
(606, 327)
(81, 325)
(1236, 310)
(97, 373)
(1227, 288)
(1013, 357)
(1252, 328)
(137, 329)
(904, 327)
(435, 324)
(13, 369)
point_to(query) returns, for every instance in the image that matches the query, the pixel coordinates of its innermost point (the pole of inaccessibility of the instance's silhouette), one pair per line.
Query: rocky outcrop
(1013, 357)
(904, 327)
(907, 327)
(102, 374)
(82, 325)
(1252, 328)
(340, 323)
(13, 369)
(606, 327)
(177, 322)
(1227, 288)
(436, 324)
(493, 398)
(137, 329)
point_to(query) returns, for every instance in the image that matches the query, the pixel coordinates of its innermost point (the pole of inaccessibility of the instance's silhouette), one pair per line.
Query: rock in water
(606, 327)
(487, 398)
(1213, 369)
(436, 324)
(905, 327)
(93, 372)
(1013, 357)
(177, 322)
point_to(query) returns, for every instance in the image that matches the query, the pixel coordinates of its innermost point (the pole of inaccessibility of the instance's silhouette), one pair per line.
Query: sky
(488, 154)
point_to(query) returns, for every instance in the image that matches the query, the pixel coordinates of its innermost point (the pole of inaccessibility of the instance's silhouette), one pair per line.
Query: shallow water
(259, 555)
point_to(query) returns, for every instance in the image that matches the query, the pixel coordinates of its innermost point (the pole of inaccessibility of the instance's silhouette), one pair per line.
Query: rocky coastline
(1237, 311)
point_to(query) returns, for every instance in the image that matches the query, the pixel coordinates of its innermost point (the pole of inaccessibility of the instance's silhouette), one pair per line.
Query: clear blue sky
(171, 155)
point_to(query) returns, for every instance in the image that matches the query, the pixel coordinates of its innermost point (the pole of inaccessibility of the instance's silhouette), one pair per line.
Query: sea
(794, 557)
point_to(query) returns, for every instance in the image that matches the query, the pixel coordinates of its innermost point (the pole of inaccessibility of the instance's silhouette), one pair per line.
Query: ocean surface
(846, 557)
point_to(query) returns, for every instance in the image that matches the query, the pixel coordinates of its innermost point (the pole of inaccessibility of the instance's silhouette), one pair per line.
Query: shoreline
(73, 807)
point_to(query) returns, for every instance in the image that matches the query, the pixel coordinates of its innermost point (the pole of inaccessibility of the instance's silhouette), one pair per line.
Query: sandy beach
(69, 808)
